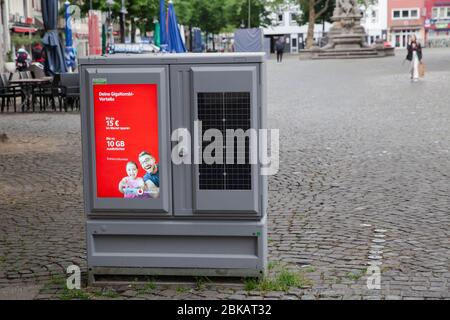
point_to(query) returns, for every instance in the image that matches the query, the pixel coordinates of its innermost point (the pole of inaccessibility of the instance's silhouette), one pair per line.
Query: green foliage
(310, 269)
(147, 288)
(19, 40)
(209, 15)
(185, 12)
(181, 290)
(251, 284)
(74, 295)
(237, 13)
(281, 279)
(201, 282)
(272, 265)
(215, 16)
(355, 276)
(107, 293)
(319, 5)
(140, 11)
(366, 3)
(58, 282)
(9, 58)
(143, 12)
(212, 16)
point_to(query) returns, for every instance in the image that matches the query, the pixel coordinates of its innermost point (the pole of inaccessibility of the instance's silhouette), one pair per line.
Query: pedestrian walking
(415, 57)
(279, 47)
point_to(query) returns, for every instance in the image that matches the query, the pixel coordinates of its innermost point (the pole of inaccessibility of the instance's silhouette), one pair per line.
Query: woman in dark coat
(415, 56)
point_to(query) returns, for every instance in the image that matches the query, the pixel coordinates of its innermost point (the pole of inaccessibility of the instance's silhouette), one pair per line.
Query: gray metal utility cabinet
(147, 215)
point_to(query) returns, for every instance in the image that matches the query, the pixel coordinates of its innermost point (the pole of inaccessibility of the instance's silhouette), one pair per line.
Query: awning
(405, 27)
(24, 29)
(38, 22)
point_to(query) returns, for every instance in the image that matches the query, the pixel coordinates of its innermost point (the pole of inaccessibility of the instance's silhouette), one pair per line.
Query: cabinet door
(126, 141)
(225, 98)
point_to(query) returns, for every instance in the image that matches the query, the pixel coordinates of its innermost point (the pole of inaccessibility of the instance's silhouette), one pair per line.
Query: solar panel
(222, 111)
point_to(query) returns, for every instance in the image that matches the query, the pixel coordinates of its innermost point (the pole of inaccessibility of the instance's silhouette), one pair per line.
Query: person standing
(279, 47)
(414, 56)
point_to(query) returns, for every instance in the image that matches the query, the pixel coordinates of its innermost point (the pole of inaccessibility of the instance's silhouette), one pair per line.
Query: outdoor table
(27, 87)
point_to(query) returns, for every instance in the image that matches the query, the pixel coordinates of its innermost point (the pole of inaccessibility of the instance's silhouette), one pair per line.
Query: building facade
(375, 20)
(18, 18)
(5, 39)
(25, 16)
(437, 23)
(405, 18)
(284, 24)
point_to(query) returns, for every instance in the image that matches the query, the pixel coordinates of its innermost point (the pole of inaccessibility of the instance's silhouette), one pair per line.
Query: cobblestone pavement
(364, 176)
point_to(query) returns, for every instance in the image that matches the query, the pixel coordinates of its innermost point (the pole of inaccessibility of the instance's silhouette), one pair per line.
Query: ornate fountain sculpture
(347, 31)
(347, 37)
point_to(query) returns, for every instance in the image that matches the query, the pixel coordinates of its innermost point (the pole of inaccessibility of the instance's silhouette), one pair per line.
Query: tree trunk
(133, 31)
(311, 23)
(214, 43)
(122, 28)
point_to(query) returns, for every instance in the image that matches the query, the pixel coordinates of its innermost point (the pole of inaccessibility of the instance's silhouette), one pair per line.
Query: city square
(364, 177)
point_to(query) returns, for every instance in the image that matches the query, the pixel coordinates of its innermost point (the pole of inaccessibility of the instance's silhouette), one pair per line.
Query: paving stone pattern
(362, 150)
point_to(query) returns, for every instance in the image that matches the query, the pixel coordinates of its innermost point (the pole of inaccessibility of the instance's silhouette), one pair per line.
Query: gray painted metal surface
(187, 230)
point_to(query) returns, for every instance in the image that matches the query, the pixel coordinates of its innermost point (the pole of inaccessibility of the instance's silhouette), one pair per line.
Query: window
(405, 14)
(374, 16)
(441, 13)
(435, 13)
(279, 17)
(293, 18)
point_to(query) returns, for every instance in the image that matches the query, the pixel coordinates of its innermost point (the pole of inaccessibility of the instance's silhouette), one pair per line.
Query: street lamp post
(249, 13)
(110, 3)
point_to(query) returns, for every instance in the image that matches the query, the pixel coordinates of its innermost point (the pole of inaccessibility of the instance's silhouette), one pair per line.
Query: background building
(284, 23)
(437, 23)
(20, 23)
(5, 42)
(405, 17)
(25, 16)
(375, 20)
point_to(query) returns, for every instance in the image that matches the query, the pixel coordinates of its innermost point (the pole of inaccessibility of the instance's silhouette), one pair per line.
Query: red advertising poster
(126, 140)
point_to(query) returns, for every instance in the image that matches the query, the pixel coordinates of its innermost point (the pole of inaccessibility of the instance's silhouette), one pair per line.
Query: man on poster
(151, 178)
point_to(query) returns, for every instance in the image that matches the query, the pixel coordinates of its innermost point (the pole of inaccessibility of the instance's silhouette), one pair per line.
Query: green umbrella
(103, 39)
(156, 34)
